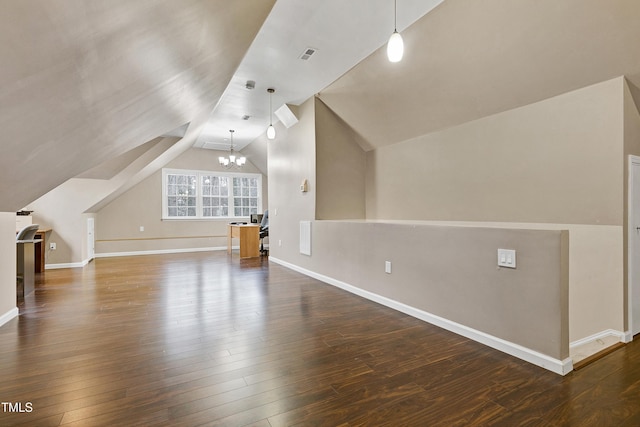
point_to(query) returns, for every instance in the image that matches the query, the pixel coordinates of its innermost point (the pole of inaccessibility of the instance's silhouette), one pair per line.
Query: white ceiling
(343, 32)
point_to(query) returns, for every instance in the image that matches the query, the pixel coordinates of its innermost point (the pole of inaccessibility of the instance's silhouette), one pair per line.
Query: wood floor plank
(208, 339)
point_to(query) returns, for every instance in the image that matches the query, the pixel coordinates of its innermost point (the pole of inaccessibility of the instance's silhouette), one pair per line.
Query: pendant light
(271, 131)
(395, 46)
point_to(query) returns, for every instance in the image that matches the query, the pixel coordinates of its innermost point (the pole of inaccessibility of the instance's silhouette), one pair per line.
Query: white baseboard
(557, 366)
(134, 253)
(9, 315)
(622, 337)
(66, 265)
(162, 251)
(628, 337)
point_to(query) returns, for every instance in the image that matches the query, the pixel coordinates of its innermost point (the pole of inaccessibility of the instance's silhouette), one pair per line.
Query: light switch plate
(507, 258)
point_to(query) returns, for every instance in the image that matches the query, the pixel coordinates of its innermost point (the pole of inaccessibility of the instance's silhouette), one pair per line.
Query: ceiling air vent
(308, 52)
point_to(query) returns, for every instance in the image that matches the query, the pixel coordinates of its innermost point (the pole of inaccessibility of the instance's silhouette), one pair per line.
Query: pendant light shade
(271, 131)
(395, 45)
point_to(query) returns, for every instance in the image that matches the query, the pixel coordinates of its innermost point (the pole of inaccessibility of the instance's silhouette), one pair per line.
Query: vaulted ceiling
(84, 81)
(88, 84)
(470, 59)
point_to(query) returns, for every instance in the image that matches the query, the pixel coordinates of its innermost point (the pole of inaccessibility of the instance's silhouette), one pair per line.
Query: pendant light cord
(395, 16)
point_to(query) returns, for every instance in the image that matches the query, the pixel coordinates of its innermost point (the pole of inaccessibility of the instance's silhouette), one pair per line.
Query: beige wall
(340, 168)
(529, 168)
(532, 164)
(118, 223)
(7, 263)
(451, 272)
(292, 158)
(535, 165)
(62, 209)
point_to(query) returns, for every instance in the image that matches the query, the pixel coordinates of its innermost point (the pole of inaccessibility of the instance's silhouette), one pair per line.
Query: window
(181, 195)
(207, 195)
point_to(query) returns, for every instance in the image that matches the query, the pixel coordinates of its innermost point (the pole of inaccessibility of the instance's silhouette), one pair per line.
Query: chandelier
(232, 160)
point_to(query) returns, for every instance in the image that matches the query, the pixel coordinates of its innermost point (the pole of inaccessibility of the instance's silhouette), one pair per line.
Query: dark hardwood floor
(208, 339)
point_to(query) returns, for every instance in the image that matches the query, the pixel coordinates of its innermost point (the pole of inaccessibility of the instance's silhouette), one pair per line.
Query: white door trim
(633, 270)
(91, 230)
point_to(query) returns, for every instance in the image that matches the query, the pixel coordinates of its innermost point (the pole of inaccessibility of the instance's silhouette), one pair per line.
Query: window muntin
(245, 196)
(210, 195)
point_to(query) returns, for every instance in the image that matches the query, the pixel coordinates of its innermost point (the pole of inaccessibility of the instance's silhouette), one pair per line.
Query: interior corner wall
(292, 158)
(7, 265)
(62, 210)
(340, 168)
(117, 225)
(552, 165)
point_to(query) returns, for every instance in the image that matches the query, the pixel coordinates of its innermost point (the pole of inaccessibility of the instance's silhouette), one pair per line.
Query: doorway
(633, 245)
(90, 239)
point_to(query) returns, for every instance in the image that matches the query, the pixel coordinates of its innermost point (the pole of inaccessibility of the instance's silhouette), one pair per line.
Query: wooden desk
(249, 235)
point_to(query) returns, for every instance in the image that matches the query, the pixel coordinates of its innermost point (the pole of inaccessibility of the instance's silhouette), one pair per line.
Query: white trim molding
(628, 337)
(14, 312)
(622, 337)
(135, 253)
(632, 270)
(162, 251)
(66, 265)
(557, 366)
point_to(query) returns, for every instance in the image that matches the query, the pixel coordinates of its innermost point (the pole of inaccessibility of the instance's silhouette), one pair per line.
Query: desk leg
(25, 266)
(40, 248)
(228, 239)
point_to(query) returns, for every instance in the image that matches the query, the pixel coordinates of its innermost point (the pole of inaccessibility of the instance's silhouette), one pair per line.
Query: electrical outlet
(52, 246)
(142, 228)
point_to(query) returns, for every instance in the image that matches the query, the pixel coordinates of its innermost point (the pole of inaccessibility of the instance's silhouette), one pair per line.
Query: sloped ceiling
(470, 59)
(85, 81)
(115, 165)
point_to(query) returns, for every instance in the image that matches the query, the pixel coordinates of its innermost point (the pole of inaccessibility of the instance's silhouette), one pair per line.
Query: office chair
(256, 218)
(28, 232)
(264, 232)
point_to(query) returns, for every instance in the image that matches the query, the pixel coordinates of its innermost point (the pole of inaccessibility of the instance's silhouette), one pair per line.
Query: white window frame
(199, 195)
